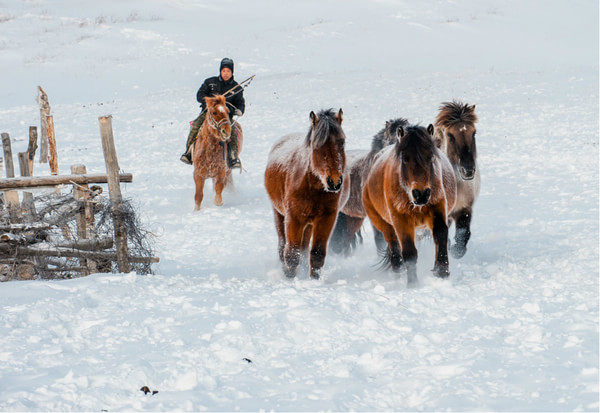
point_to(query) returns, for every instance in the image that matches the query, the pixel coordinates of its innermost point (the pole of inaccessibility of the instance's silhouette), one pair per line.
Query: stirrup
(235, 163)
(186, 158)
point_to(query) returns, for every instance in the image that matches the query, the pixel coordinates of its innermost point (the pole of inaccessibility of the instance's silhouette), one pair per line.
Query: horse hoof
(412, 282)
(289, 273)
(441, 272)
(218, 202)
(457, 251)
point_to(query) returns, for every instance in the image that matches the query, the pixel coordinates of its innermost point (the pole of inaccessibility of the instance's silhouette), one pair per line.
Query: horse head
(326, 140)
(217, 116)
(415, 151)
(457, 128)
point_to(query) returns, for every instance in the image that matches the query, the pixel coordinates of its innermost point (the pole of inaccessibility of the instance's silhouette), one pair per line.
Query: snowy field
(218, 327)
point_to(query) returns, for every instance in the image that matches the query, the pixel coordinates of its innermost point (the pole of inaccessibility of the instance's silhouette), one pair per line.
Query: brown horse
(455, 135)
(307, 182)
(411, 185)
(209, 153)
(352, 215)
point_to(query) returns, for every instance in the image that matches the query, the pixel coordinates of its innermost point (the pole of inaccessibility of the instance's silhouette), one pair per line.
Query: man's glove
(237, 112)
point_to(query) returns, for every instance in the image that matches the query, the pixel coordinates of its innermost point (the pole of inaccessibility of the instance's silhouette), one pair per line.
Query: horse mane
(326, 125)
(416, 139)
(452, 113)
(388, 134)
(215, 100)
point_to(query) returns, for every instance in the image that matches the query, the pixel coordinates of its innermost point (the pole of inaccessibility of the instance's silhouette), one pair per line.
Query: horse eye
(451, 136)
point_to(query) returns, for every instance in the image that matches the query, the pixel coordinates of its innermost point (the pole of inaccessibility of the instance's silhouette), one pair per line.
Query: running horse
(411, 185)
(307, 183)
(210, 153)
(455, 135)
(350, 219)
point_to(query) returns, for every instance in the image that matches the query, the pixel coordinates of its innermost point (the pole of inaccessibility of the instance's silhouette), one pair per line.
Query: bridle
(217, 125)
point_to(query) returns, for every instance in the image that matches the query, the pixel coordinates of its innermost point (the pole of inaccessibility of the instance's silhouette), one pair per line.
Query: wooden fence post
(44, 112)
(114, 189)
(53, 156)
(28, 204)
(85, 221)
(32, 147)
(12, 197)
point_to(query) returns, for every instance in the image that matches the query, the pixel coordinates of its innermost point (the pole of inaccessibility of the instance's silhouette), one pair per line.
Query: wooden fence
(23, 225)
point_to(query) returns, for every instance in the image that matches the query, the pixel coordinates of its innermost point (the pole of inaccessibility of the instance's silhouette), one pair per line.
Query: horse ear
(430, 129)
(340, 116)
(400, 132)
(313, 118)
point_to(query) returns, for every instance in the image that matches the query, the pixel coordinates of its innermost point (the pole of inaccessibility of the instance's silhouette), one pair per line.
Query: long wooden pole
(42, 181)
(116, 199)
(53, 156)
(12, 197)
(44, 112)
(68, 252)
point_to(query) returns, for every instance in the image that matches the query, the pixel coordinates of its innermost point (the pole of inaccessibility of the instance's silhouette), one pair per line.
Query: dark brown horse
(209, 153)
(307, 182)
(455, 135)
(411, 185)
(346, 232)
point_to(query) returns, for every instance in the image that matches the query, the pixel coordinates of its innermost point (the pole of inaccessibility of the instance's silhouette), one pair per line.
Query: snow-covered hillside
(218, 327)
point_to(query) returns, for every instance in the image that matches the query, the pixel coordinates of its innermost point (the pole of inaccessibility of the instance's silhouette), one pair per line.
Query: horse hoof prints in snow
(209, 154)
(307, 183)
(455, 135)
(411, 185)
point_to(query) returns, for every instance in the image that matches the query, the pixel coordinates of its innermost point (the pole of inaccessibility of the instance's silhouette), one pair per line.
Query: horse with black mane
(346, 232)
(307, 183)
(411, 185)
(455, 135)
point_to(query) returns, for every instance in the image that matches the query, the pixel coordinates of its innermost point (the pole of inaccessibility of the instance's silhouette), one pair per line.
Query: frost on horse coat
(307, 183)
(209, 154)
(411, 185)
(455, 136)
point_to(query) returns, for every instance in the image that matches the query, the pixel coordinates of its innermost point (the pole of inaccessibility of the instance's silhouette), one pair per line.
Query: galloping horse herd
(412, 179)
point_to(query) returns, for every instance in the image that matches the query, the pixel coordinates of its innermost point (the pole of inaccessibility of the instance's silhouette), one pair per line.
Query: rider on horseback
(218, 85)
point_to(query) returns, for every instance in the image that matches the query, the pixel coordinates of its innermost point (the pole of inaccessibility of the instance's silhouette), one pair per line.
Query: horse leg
(406, 233)
(322, 228)
(462, 234)
(352, 235)
(345, 233)
(220, 182)
(199, 191)
(440, 238)
(380, 242)
(280, 228)
(339, 233)
(391, 251)
(294, 231)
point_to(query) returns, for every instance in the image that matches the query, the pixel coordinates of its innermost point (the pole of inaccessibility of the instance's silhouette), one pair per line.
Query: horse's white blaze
(222, 109)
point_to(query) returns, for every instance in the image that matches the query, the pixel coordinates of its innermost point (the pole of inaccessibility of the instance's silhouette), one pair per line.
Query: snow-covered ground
(219, 328)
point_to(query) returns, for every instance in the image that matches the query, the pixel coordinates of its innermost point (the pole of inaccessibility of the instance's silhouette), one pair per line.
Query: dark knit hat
(226, 62)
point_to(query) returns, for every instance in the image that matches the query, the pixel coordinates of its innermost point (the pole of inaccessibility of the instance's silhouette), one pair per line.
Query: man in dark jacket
(218, 85)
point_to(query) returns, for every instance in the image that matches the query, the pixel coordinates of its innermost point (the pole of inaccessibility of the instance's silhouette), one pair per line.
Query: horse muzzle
(333, 186)
(420, 198)
(466, 174)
